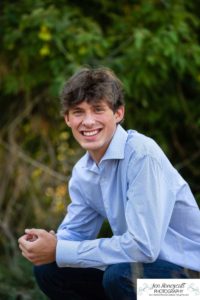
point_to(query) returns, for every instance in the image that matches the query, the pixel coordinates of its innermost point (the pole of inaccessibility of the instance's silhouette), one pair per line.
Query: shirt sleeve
(81, 221)
(150, 202)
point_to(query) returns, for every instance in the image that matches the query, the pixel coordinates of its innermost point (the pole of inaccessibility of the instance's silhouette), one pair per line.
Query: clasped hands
(38, 246)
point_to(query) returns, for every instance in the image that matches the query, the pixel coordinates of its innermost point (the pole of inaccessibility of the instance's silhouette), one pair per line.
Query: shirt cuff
(66, 253)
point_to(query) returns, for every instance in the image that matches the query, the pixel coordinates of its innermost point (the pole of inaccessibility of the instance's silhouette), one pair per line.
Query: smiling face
(93, 126)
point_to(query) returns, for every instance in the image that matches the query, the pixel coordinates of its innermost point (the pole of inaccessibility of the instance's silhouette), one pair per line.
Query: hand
(38, 246)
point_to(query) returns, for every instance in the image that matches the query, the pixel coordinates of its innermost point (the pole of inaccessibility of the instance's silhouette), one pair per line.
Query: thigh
(70, 283)
(120, 280)
(163, 269)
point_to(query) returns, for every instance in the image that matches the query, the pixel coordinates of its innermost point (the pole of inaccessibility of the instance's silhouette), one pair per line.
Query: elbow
(148, 253)
(142, 250)
(151, 259)
(151, 255)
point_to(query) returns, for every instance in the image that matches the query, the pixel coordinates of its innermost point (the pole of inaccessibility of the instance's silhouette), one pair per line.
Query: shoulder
(146, 156)
(140, 146)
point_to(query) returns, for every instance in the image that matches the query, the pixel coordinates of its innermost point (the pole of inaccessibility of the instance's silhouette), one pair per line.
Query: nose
(88, 120)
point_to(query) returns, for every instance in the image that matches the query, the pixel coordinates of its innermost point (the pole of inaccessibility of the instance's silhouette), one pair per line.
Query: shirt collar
(115, 149)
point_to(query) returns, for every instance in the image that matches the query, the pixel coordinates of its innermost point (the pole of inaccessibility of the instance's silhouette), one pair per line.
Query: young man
(126, 178)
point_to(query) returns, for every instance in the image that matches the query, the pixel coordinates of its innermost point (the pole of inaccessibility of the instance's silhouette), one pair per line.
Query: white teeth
(90, 133)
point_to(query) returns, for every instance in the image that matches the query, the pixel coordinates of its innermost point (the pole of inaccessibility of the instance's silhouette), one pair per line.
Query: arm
(150, 202)
(81, 222)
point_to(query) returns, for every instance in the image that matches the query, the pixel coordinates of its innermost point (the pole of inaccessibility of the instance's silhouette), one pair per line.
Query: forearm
(103, 252)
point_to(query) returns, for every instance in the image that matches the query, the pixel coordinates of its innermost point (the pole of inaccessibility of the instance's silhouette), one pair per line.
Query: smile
(90, 133)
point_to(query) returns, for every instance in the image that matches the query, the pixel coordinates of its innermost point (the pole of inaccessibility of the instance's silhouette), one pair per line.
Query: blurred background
(153, 47)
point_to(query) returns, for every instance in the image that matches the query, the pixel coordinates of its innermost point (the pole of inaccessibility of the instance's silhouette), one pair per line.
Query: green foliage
(45, 41)
(153, 46)
(18, 283)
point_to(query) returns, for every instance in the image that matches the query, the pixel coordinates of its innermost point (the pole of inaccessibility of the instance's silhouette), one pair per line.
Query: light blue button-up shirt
(150, 208)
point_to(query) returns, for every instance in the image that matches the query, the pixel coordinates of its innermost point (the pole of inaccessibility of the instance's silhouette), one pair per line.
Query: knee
(118, 278)
(111, 277)
(39, 272)
(44, 274)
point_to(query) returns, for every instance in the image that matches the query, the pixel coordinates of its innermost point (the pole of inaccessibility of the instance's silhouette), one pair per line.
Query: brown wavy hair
(92, 85)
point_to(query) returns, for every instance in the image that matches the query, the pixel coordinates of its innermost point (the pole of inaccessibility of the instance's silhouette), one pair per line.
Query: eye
(77, 112)
(99, 109)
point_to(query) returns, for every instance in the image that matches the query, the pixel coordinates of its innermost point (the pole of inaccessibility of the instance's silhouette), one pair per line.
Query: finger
(27, 244)
(32, 231)
(31, 237)
(52, 232)
(27, 237)
(25, 247)
(21, 238)
(29, 257)
(36, 232)
(24, 255)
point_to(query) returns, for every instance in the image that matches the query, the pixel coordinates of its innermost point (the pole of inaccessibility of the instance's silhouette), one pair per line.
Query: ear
(119, 114)
(66, 117)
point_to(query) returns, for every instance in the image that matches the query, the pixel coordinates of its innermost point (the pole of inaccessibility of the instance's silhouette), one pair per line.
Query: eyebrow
(76, 107)
(99, 104)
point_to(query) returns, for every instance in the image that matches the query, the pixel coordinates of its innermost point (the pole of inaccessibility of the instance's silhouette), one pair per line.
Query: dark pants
(116, 283)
